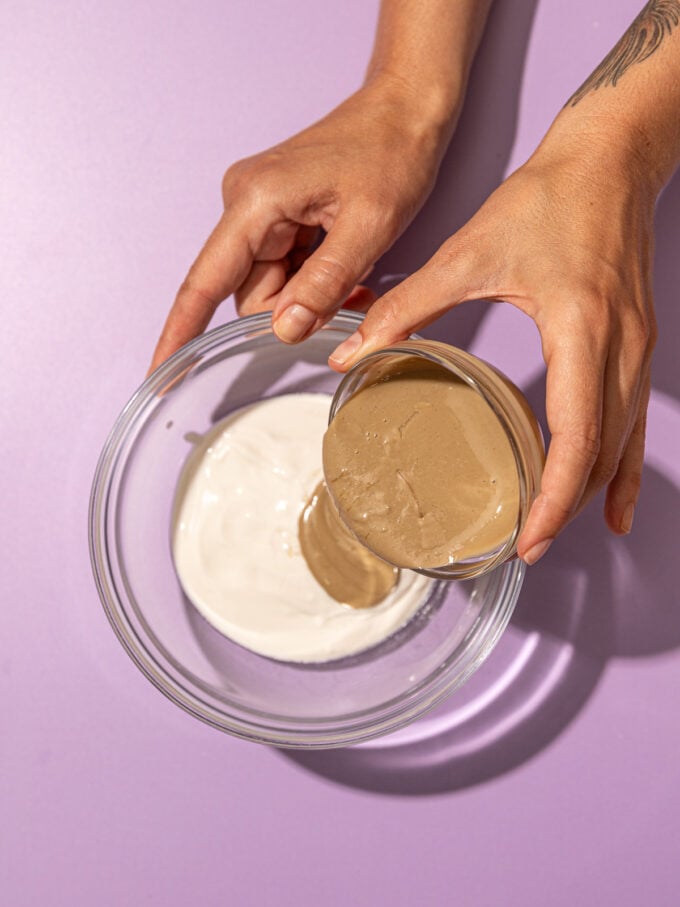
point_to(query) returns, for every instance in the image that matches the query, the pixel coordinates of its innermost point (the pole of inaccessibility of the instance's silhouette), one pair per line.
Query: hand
(360, 175)
(568, 240)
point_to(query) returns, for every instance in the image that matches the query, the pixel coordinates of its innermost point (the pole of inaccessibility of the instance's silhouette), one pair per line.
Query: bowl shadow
(595, 598)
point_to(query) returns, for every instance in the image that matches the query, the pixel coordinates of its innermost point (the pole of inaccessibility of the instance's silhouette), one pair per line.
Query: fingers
(574, 399)
(313, 295)
(260, 289)
(591, 449)
(416, 302)
(219, 269)
(624, 375)
(624, 489)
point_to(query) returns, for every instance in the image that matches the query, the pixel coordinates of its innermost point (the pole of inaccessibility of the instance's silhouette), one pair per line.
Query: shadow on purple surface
(592, 599)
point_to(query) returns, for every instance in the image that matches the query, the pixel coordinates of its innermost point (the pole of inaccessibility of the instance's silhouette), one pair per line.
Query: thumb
(315, 293)
(442, 283)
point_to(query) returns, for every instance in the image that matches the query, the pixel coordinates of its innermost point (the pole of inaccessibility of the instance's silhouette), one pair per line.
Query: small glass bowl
(208, 675)
(510, 407)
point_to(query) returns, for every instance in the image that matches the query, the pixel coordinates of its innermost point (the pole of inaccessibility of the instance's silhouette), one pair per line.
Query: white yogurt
(235, 538)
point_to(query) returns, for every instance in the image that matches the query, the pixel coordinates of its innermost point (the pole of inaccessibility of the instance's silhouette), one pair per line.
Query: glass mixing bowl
(231, 688)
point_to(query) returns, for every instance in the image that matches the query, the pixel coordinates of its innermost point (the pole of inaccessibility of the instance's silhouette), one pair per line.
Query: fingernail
(627, 518)
(347, 349)
(294, 323)
(536, 553)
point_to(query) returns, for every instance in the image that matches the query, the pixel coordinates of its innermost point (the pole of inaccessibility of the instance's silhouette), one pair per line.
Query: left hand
(568, 240)
(360, 174)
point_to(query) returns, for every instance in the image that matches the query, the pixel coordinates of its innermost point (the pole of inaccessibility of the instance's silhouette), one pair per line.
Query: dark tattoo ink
(655, 21)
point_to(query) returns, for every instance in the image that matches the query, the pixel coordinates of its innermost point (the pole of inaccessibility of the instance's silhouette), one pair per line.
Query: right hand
(567, 239)
(360, 175)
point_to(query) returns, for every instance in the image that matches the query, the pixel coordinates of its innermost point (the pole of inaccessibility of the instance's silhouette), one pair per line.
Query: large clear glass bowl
(257, 698)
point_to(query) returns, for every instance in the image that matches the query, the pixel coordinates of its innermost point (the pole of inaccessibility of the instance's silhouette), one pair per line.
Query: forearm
(628, 110)
(425, 48)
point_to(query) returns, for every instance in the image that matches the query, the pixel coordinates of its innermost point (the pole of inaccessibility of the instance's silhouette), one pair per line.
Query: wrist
(609, 149)
(628, 133)
(428, 112)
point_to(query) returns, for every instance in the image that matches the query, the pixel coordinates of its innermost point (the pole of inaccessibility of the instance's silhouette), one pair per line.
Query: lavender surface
(554, 778)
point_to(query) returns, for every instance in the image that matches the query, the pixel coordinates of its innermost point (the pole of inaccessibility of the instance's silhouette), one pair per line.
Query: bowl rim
(338, 732)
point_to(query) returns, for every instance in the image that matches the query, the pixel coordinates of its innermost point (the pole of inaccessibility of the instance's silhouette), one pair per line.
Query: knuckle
(584, 442)
(384, 320)
(604, 471)
(249, 179)
(554, 509)
(234, 178)
(638, 340)
(380, 218)
(587, 439)
(640, 333)
(633, 481)
(387, 312)
(375, 220)
(561, 512)
(330, 278)
(456, 255)
(584, 312)
(597, 316)
(645, 332)
(193, 294)
(459, 265)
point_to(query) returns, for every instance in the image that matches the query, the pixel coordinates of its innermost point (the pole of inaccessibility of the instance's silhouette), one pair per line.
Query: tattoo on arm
(656, 20)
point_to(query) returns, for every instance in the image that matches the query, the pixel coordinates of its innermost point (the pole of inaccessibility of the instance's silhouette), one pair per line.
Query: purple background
(561, 783)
